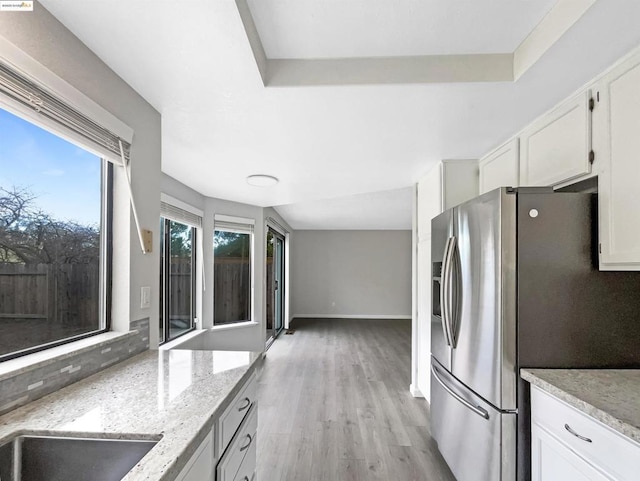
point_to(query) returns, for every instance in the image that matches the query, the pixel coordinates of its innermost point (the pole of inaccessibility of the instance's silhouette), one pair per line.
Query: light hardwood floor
(334, 405)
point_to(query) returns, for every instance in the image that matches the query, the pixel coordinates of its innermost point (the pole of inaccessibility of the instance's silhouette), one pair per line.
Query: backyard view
(232, 277)
(50, 222)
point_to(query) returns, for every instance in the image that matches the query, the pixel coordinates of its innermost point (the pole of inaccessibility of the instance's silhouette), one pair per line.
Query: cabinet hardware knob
(568, 428)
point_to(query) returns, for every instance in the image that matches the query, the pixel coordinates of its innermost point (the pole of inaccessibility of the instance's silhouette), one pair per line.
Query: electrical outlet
(145, 297)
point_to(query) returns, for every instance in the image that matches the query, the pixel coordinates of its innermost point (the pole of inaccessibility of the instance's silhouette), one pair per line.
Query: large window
(55, 236)
(177, 278)
(232, 248)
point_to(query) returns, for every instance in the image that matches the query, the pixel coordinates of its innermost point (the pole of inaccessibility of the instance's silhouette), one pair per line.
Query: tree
(231, 244)
(29, 235)
(181, 240)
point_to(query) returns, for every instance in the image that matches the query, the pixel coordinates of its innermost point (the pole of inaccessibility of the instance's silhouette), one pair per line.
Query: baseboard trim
(352, 316)
(415, 392)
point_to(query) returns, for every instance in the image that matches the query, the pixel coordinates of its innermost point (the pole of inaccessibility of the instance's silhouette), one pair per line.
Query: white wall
(351, 274)
(45, 39)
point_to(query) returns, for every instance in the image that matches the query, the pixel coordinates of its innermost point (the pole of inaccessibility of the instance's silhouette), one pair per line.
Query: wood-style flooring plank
(334, 405)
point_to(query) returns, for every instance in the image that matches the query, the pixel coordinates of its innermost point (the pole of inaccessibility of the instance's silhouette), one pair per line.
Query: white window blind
(177, 214)
(41, 105)
(66, 119)
(233, 224)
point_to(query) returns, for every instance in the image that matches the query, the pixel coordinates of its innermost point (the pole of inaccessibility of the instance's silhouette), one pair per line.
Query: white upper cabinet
(556, 148)
(501, 167)
(448, 184)
(617, 141)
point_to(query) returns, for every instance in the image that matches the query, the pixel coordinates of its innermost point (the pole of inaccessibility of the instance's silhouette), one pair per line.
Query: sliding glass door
(275, 288)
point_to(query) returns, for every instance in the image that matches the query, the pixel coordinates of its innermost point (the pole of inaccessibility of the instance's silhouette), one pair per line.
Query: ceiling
(388, 28)
(341, 152)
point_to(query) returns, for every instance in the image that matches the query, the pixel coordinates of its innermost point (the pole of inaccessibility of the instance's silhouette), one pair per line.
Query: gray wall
(351, 273)
(45, 39)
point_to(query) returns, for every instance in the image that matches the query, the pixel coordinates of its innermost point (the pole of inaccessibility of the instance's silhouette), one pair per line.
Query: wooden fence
(66, 294)
(231, 288)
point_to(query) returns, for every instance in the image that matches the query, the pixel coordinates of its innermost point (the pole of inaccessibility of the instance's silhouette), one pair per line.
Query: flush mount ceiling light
(261, 180)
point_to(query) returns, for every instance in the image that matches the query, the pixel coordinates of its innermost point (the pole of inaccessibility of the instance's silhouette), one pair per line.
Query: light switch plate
(145, 297)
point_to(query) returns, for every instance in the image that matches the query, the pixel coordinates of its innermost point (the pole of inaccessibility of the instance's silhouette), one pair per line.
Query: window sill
(19, 365)
(238, 325)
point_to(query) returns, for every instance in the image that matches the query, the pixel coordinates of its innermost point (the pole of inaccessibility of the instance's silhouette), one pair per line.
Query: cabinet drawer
(608, 450)
(247, 471)
(234, 414)
(240, 446)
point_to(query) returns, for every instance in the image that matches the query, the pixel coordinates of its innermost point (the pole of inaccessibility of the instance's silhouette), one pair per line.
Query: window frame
(106, 265)
(166, 276)
(245, 226)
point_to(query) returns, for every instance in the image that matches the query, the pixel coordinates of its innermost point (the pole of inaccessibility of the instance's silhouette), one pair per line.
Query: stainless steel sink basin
(52, 458)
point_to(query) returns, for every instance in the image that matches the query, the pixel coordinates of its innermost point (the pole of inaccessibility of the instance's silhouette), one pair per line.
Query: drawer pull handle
(568, 428)
(246, 478)
(248, 403)
(248, 444)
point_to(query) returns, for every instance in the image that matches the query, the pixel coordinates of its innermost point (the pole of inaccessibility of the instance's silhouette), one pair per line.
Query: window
(177, 278)
(232, 252)
(55, 239)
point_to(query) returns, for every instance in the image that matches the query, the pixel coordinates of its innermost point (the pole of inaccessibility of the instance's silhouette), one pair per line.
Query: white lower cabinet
(237, 436)
(200, 466)
(232, 441)
(239, 460)
(553, 460)
(566, 444)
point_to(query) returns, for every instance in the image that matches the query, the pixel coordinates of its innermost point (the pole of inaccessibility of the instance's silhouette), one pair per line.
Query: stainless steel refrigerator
(515, 284)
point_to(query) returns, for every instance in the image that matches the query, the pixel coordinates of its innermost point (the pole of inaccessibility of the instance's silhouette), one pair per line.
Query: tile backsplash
(44, 378)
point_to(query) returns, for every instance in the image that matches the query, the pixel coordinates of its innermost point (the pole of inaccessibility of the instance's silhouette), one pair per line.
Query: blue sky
(64, 177)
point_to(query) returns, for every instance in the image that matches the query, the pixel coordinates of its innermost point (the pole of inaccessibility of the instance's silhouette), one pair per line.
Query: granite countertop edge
(181, 460)
(175, 446)
(620, 426)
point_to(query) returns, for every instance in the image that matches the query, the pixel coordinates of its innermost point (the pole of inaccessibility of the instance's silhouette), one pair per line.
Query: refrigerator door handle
(451, 289)
(456, 293)
(445, 286)
(476, 409)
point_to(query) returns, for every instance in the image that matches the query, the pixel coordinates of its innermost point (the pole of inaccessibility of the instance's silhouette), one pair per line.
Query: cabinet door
(552, 460)
(617, 118)
(200, 466)
(556, 148)
(501, 167)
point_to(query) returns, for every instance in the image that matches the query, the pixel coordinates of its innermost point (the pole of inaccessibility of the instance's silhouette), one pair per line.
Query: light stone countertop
(172, 395)
(612, 396)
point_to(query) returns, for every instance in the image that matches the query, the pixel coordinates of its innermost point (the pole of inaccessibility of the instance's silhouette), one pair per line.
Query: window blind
(233, 224)
(53, 113)
(37, 98)
(177, 214)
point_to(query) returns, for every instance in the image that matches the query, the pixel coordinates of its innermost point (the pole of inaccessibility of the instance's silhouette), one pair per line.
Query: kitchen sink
(55, 458)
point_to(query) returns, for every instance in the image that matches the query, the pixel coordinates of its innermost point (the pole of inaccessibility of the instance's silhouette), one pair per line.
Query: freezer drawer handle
(568, 428)
(476, 409)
